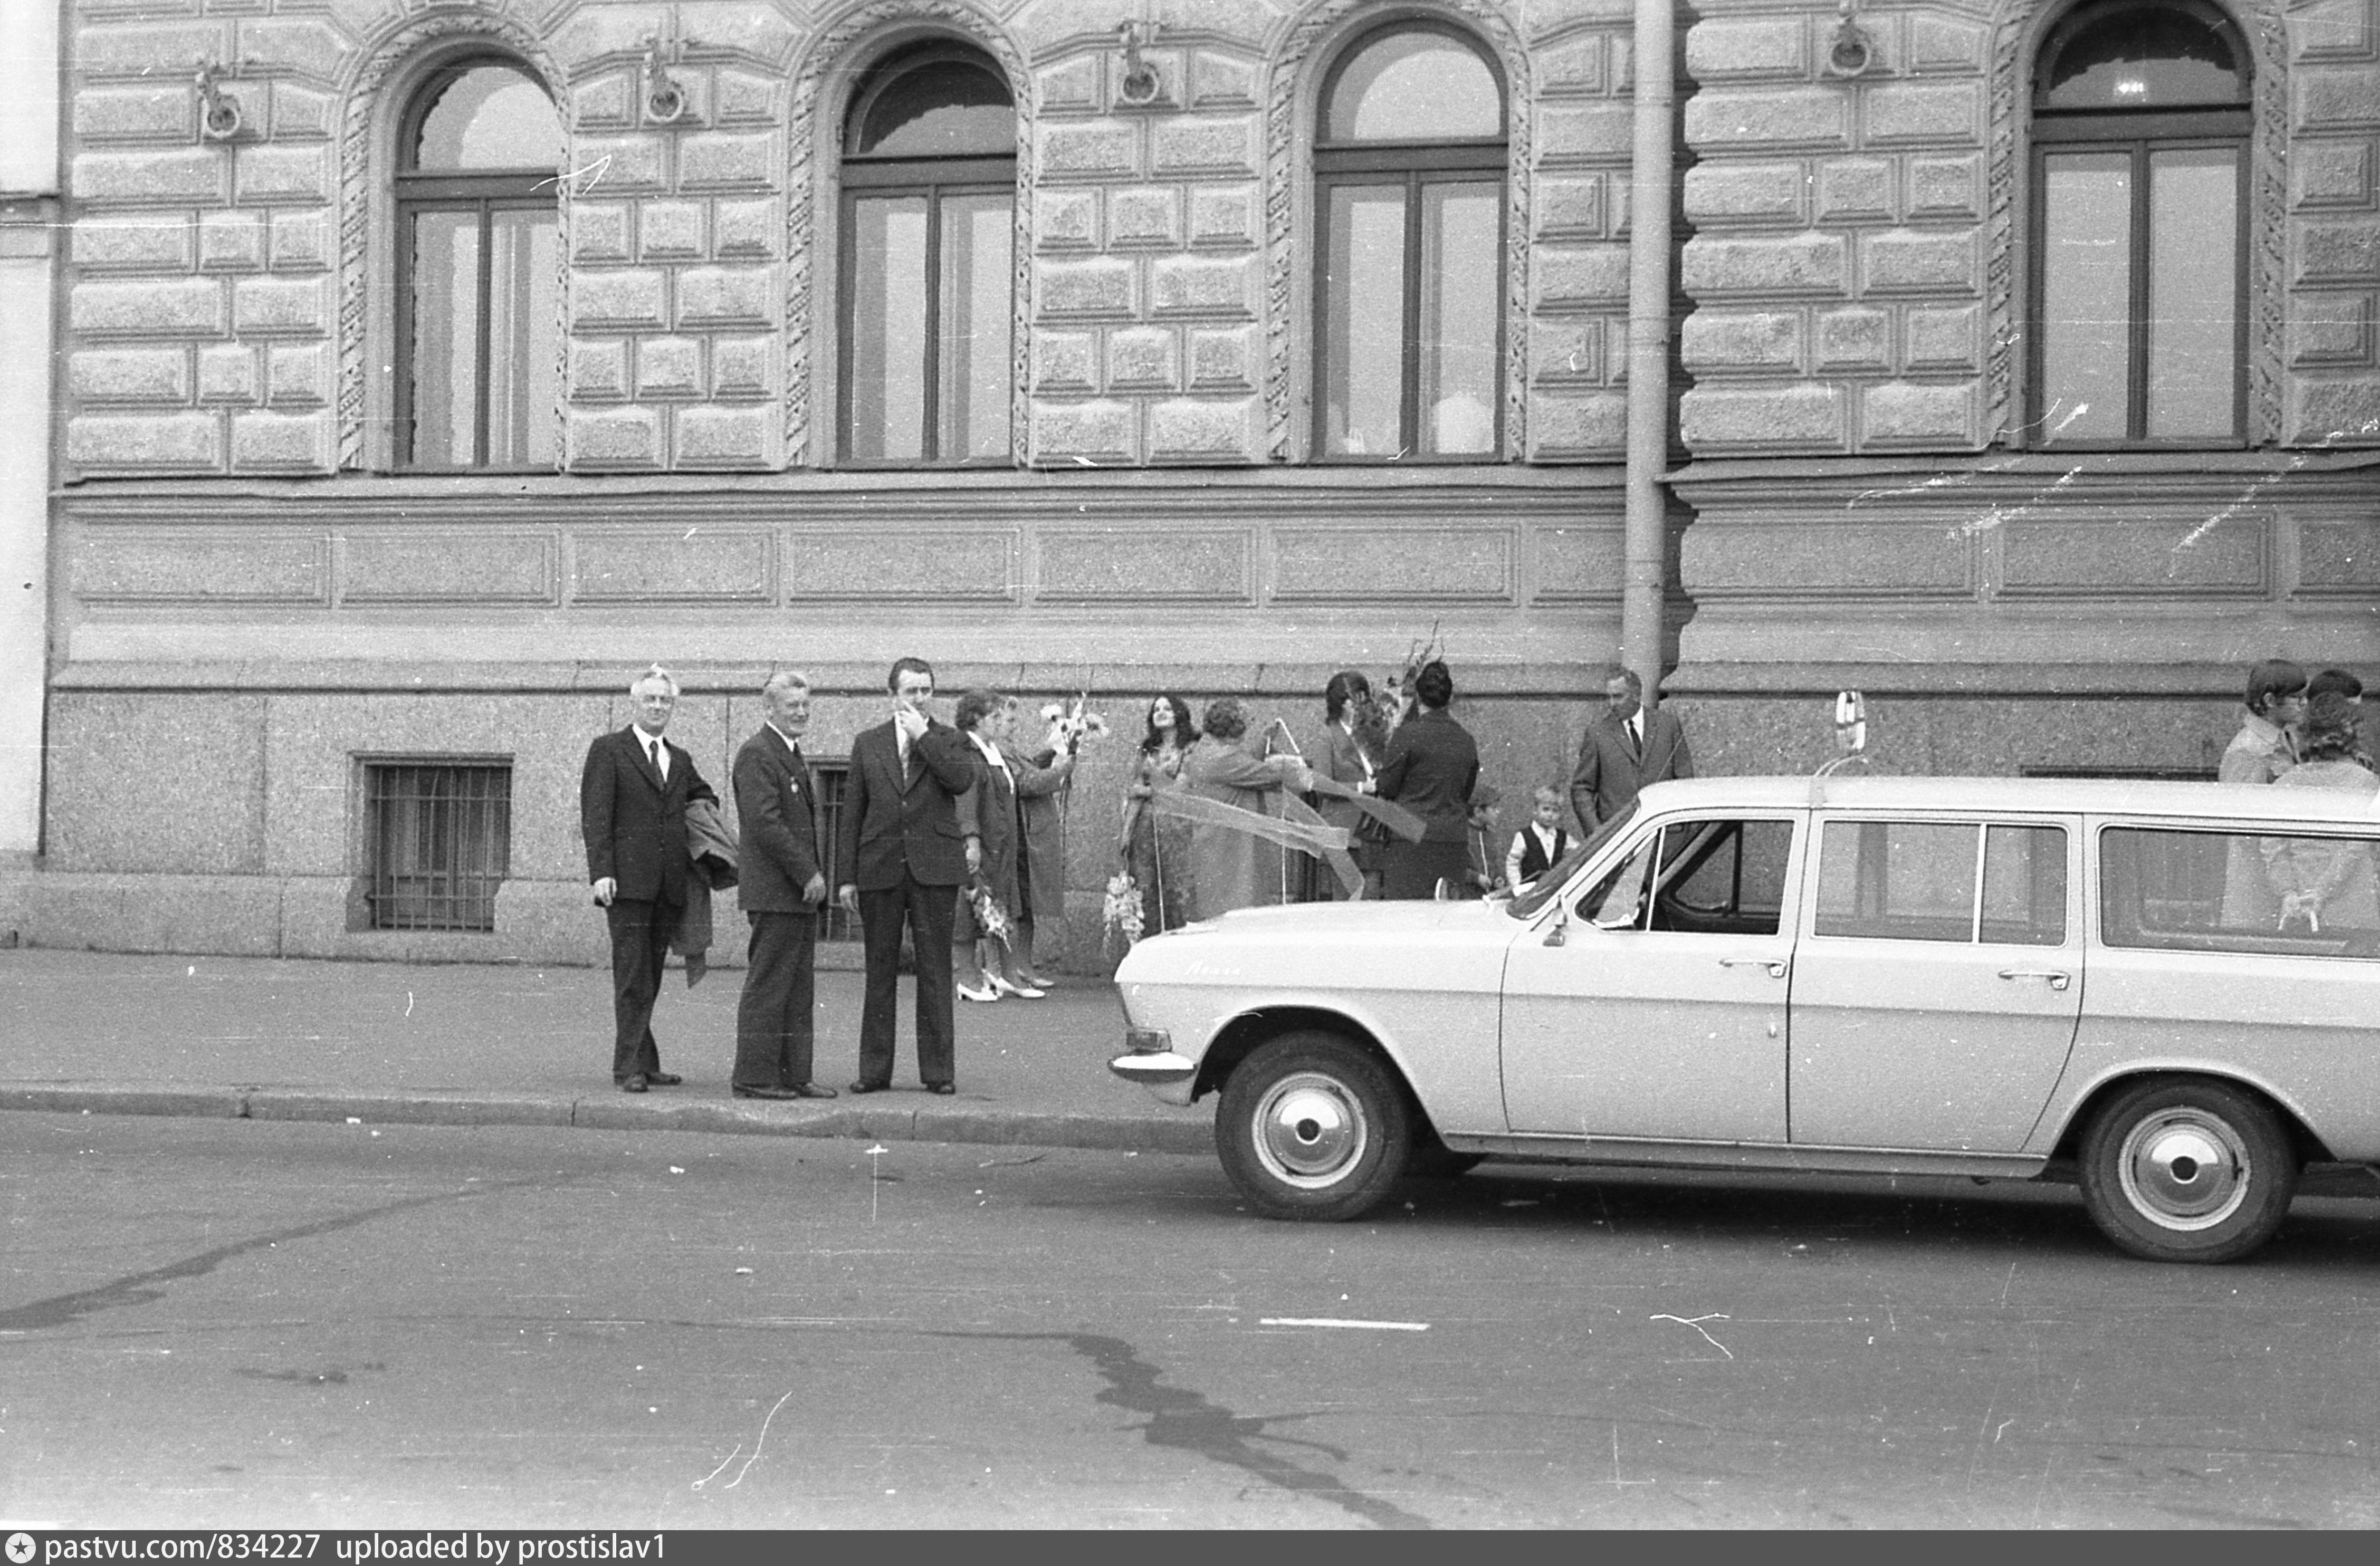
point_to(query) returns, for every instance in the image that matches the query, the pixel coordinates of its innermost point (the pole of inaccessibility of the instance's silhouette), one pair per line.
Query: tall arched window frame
(479, 266)
(928, 226)
(1410, 167)
(2141, 128)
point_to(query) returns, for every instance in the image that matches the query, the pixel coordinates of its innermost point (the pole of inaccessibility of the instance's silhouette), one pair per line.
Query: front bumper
(1156, 1067)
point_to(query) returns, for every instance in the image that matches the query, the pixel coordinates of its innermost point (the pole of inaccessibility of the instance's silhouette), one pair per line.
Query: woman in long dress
(2325, 885)
(1348, 758)
(1232, 868)
(1156, 850)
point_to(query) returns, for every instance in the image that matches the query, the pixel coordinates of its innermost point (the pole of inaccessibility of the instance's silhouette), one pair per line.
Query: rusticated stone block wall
(2333, 344)
(1578, 215)
(1837, 252)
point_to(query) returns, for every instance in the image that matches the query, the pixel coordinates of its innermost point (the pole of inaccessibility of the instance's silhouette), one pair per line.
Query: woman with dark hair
(1350, 759)
(987, 813)
(2325, 884)
(1156, 851)
(1432, 766)
(1229, 868)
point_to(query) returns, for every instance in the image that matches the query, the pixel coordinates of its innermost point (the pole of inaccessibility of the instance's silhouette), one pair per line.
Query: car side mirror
(1560, 934)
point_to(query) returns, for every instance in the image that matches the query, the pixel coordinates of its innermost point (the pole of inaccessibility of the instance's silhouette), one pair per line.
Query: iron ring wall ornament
(1141, 86)
(665, 99)
(219, 112)
(1851, 50)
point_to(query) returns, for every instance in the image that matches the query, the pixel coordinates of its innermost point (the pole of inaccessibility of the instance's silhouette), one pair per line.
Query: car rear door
(1939, 980)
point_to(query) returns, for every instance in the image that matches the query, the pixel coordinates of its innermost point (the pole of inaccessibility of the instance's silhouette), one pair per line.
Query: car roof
(2065, 797)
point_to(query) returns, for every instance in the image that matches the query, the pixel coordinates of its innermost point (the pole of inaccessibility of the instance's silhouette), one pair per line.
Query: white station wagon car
(2171, 988)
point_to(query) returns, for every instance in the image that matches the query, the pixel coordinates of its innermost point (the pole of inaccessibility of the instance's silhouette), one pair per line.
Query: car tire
(2198, 1171)
(1312, 1127)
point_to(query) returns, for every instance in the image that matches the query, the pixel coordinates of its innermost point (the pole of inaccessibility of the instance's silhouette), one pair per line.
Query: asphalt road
(208, 1323)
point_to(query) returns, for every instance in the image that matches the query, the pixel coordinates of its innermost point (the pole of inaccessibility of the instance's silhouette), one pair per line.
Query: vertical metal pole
(1645, 540)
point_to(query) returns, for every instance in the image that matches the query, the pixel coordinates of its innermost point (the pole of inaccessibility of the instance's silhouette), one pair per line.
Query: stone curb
(618, 1112)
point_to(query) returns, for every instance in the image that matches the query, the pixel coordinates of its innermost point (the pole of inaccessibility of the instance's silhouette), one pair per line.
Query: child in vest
(1537, 847)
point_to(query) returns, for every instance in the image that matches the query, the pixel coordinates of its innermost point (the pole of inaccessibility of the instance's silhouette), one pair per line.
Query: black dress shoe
(944, 1089)
(743, 1092)
(809, 1090)
(664, 1078)
(868, 1086)
(633, 1083)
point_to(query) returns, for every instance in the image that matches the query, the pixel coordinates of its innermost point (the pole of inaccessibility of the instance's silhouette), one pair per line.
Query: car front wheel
(2188, 1172)
(1312, 1127)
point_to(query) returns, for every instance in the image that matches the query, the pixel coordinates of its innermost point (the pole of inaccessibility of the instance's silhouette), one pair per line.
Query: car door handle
(1776, 965)
(2057, 979)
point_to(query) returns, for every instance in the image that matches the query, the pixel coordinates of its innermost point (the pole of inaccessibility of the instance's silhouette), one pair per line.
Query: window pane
(944, 108)
(1363, 299)
(2086, 296)
(2193, 291)
(2024, 886)
(1898, 881)
(490, 118)
(2218, 891)
(1415, 87)
(1461, 255)
(2144, 57)
(978, 232)
(1724, 878)
(887, 329)
(445, 353)
(524, 363)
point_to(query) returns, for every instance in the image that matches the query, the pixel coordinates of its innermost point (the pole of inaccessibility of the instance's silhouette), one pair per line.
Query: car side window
(2295, 894)
(1722, 876)
(1942, 880)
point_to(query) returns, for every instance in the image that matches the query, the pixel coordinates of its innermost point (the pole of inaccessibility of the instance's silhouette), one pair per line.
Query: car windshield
(1542, 890)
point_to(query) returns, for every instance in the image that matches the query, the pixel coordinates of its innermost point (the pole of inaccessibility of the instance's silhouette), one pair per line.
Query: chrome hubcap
(2184, 1169)
(1310, 1130)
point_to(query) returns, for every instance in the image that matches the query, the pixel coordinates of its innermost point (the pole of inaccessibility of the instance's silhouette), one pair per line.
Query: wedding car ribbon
(1387, 812)
(1299, 827)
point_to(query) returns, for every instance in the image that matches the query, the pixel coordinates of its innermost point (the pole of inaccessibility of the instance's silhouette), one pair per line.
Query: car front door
(1938, 984)
(1656, 1009)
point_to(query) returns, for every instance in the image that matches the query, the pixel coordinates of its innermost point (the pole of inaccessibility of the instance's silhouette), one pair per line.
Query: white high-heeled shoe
(970, 992)
(1009, 987)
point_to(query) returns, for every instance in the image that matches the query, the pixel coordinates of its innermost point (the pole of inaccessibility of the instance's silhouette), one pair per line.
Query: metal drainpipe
(1646, 538)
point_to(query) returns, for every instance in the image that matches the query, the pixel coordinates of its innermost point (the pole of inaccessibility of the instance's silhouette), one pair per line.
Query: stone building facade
(263, 605)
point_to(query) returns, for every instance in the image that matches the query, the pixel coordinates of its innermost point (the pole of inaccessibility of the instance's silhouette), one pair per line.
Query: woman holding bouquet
(1351, 755)
(1155, 852)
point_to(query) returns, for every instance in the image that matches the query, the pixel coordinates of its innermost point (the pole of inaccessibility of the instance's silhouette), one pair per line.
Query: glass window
(1715, 877)
(479, 261)
(1409, 173)
(928, 224)
(2140, 136)
(1942, 880)
(2298, 893)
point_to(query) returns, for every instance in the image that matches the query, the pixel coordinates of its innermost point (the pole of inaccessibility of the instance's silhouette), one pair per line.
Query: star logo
(20, 1548)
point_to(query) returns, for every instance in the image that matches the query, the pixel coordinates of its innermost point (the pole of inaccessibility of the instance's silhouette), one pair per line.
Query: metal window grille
(440, 837)
(834, 786)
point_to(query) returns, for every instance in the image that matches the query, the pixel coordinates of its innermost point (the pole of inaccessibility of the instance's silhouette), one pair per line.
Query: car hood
(1392, 945)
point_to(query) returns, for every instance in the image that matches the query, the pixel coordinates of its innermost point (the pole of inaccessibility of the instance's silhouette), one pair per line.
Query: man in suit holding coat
(783, 890)
(902, 839)
(632, 801)
(1623, 749)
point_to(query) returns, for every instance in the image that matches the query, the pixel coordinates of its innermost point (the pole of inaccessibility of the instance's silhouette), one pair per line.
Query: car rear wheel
(2188, 1172)
(1312, 1127)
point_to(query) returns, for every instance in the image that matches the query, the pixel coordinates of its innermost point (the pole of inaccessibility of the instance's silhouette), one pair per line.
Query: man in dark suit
(783, 889)
(632, 800)
(1623, 749)
(1431, 769)
(902, 839)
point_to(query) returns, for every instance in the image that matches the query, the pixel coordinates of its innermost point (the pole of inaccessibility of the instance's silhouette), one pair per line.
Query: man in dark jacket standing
(906, 856)
(783, 889)
(1623, 749)
(632, 800)
(1431, 769)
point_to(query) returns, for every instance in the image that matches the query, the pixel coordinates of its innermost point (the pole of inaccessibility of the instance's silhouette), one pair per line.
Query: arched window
(479, 268)
(1409, 165)
(2140, 136)
(928, 234)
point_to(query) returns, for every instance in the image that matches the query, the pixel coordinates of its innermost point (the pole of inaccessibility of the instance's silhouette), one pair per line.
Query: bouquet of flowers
(1069, 724)
(1397, 697)
(991, 918)
(1121, 914)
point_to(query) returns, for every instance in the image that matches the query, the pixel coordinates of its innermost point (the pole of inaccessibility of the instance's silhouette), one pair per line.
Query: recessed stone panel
(861, 564)
(1797, 557)
(1577, 565)
(446, 565)
(198, 565)
(2340, 559)
(2133, 555)
(1145, 562)
(683, 566)
(1374, 561)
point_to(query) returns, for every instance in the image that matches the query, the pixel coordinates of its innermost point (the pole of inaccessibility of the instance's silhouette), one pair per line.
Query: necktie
(653, 754)
(1635, 741)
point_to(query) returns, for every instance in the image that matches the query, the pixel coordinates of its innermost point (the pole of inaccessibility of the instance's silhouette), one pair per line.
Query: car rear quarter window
(1966, 881)
(2284, 893)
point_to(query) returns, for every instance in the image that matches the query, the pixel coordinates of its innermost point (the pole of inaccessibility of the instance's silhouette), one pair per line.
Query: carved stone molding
(828, 53)
(358, 175)
(2012, 39)
(1283, 179)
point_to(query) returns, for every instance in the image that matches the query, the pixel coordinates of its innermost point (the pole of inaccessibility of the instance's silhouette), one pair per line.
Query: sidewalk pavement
(424, 1044)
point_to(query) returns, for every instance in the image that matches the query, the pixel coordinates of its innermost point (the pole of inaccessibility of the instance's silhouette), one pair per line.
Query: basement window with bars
(439, 836)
